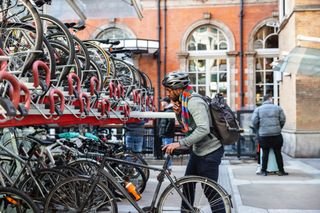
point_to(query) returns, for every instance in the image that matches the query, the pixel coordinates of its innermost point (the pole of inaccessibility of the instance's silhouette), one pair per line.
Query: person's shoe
(282, 173)
(258, 170)
(262, 173)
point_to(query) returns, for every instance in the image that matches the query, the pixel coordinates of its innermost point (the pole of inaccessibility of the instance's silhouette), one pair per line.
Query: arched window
(207, 63)
(266, 80)
(114, 33)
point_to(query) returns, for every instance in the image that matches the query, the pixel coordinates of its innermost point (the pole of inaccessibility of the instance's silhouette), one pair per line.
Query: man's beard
(175, 98)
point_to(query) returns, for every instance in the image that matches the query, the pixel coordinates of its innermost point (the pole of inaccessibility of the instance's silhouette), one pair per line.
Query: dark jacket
(167, 125)
(135, 129)
(268, 119)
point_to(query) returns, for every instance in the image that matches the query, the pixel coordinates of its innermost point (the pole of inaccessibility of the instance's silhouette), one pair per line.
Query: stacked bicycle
(50, 76)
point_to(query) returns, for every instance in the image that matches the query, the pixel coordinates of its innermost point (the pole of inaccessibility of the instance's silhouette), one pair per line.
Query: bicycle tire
(81, 50)
(61, 32)
(67, 196)
(170, 200)
(23, 203)
(101, 57)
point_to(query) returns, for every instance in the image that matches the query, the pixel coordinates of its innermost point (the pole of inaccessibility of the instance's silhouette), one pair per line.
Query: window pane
(269, 77)
(272, 42)
(202, 90)
(259, 94)
(223, 77)
(202, 78)
(191, 46)
(268, 64)
(269, 89)
(258, 44)
(193, 78)
(192, 66)
(201, 65)
(223, 88)
(214, 77)
(259, 77)
(223, 46)
(259, 63)
(202, 46)
(223, 65)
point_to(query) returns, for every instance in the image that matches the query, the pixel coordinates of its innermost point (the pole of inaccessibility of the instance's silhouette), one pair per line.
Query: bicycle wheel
(13, 200)
(203, 194)
(136, 158)
(75, 194)
(46, 178)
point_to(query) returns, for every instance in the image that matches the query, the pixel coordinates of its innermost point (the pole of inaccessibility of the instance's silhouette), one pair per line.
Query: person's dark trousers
(205, 166)
(274, 142)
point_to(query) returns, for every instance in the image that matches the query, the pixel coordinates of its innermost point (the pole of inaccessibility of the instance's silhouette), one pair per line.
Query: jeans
(205, 166)
(134, 143)
(166, 141)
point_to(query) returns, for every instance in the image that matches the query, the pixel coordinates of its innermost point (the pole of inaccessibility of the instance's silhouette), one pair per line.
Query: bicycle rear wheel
(74, 195)
(13, 200)
(208, 196)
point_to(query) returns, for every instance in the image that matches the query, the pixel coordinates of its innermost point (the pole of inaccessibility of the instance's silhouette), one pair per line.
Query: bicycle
(88, 194)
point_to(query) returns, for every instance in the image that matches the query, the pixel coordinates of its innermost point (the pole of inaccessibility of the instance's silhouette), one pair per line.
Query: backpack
(224, 126)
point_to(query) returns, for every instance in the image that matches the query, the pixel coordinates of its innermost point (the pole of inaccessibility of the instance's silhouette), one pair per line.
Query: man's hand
(177, 107)
(170, 147)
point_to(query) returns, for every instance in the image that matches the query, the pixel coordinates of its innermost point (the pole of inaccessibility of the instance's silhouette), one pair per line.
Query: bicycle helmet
(176, 80)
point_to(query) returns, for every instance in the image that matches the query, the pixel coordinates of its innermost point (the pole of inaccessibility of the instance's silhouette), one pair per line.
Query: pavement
(299, 192)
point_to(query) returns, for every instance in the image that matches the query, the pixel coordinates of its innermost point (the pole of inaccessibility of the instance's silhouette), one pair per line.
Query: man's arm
(199, 111)
(255, 119)
(282, 117)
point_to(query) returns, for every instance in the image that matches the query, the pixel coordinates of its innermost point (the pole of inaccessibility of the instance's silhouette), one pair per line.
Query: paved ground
(297, 193)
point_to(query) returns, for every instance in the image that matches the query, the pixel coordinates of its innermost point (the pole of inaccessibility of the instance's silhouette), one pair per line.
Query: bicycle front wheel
(13, 200)
(194, 194)
(75, 194)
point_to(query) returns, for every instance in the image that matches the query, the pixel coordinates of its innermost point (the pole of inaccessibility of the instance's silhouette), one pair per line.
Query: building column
(250, 82)
(233, 83)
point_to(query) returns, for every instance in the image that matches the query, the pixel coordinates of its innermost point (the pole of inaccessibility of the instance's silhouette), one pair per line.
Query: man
(268, 120)
(167, 126)
(193, 115)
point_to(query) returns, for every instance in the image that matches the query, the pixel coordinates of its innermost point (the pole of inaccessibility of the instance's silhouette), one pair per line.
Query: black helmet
(176, 80)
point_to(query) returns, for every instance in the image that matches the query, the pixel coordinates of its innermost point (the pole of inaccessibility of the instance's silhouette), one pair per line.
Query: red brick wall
(178, 21)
